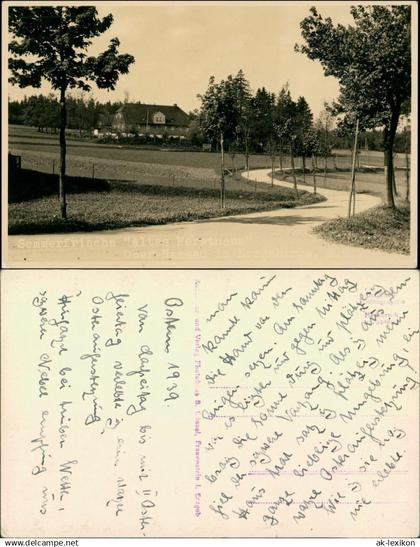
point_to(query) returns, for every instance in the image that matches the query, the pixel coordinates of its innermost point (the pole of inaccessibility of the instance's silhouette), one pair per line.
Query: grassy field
(378, 228)
(367, 180)
(40, 150)
(22, 138)
(124, 204)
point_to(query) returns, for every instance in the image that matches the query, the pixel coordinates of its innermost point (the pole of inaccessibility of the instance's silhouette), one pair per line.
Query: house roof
(143, 113)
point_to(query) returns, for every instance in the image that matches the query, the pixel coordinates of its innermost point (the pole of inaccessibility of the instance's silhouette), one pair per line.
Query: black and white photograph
(210, 134)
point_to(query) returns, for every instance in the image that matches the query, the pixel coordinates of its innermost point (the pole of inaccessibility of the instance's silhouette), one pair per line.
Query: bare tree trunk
(407, 176)
(292, 161)
(388, 177)
(272, 170)
(247, 157)
(304, 168)
(389, 137)
(62, 175)
(314, 172)
(352, 197)
(388, 170)
(326, 150)
(281, 160)
(394, 183)
(222, 177)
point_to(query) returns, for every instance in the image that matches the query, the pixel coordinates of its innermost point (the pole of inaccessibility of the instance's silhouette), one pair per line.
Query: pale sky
(179, 45)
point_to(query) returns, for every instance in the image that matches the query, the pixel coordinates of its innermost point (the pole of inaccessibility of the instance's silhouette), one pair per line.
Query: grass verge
(377, 228)
(129, 203)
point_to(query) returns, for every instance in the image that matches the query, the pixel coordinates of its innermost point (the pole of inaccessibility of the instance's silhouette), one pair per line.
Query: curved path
(281, 238)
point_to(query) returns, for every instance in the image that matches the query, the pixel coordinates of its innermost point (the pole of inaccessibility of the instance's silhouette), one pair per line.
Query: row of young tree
(259, 122)
(236, 120)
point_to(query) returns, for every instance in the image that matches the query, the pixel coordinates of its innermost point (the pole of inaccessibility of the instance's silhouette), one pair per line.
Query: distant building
(151, 119)
(104, 124)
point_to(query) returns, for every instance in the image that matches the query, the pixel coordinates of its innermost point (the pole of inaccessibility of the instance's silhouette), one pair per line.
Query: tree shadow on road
(280, 220)
(321, 206)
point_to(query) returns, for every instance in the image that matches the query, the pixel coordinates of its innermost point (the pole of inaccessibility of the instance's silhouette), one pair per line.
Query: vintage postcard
(210, 404)
(207, 134)
(196, 400)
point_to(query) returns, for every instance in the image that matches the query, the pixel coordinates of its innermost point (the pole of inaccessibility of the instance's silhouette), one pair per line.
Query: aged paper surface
(216, 403)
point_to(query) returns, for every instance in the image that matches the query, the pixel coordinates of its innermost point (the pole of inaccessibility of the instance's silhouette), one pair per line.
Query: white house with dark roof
(151, 119)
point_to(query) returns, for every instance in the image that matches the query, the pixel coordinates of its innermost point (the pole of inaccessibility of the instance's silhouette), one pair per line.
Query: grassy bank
(377, 228)
(126, 203)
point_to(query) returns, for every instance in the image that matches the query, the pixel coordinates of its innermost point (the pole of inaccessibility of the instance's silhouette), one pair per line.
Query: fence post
(93, 171)
(53, 167)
